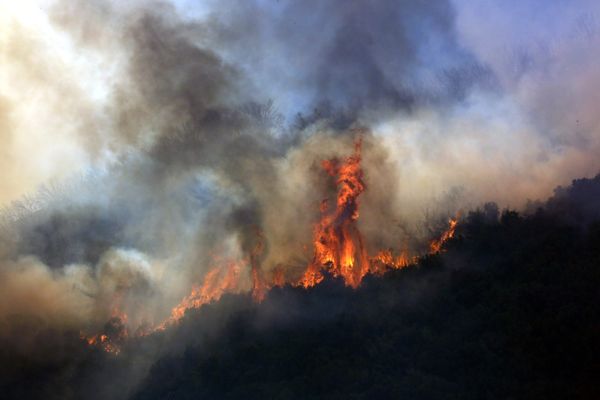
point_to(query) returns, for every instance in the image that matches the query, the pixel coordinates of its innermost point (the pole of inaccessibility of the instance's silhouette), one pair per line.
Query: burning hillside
(168, 163)
(339, 251)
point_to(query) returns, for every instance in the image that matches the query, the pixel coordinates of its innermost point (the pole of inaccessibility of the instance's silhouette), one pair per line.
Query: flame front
(217, 282)
(385, 260)
(338, 244)
(337, 241)
(338, 250)
(436, 245)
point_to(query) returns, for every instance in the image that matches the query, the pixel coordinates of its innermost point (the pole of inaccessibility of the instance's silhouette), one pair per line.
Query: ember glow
(111, 341)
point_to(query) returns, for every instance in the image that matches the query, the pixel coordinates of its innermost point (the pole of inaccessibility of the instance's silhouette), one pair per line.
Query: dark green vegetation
(510, 311)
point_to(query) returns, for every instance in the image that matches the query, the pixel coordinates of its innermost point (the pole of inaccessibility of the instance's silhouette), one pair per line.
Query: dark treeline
(511, 310)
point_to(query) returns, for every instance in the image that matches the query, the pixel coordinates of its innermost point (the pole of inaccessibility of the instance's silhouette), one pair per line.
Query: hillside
(510, 310)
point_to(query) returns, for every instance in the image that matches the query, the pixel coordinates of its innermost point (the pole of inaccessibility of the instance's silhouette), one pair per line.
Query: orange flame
(259, 286)
(338, 249)
(385, 260)
(278, 277)
(226, 277)
(216, 282)
(112, 338)
(436, 245)
(336, 239)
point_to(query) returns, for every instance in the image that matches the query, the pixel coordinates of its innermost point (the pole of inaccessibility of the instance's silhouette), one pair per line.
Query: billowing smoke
(144, 143)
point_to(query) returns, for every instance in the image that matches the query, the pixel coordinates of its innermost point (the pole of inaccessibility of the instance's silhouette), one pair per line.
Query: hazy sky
(511, 86)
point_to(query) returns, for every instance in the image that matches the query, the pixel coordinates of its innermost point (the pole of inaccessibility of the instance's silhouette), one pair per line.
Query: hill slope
(510, 310)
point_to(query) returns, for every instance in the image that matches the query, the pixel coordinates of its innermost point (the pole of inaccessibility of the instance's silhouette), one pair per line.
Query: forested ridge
(509, 311)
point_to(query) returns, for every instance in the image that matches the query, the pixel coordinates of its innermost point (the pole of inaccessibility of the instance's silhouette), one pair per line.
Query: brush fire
(339, 252)
(246, 199)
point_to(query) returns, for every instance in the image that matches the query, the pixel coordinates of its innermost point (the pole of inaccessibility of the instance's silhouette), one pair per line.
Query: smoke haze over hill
(162, 154)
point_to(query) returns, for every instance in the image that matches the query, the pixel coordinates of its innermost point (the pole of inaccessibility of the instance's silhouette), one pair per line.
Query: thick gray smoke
(170, 136)
(342, 59)
(193, 162)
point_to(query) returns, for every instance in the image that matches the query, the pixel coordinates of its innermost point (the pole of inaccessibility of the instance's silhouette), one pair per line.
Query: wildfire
(385, 260)
(436, 245)
(216, 282)
(338, 243)
(259, 285)
(104, 342)
(338, 250)
(278, 277)
(225, 277)
(114, 334)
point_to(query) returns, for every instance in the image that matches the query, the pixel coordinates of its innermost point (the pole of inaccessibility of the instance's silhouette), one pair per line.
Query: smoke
(345, 59)
(79, 295)
(29, 287)
(170, 135)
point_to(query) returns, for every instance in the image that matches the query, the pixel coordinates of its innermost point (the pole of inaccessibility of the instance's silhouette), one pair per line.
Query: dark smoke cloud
(165, 80)
(351, 56)
(204, 161)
